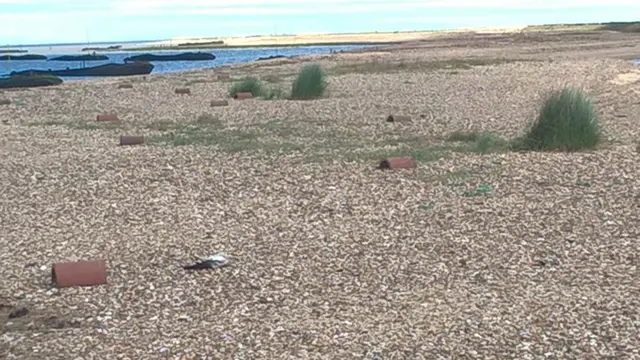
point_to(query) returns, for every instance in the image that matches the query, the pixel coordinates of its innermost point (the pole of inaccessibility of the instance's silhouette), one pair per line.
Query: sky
(83, 21)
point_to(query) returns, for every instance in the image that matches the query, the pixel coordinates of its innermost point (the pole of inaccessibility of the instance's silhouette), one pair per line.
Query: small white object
(211, 262)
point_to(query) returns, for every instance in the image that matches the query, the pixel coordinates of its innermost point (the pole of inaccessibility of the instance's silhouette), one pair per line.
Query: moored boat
(23, 81)
(86, 57)
(135, 68)
(189, 56)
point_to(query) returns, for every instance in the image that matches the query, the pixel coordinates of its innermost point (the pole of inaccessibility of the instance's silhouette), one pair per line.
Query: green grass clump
(479, 142)
(463, 136)
(272, 93)
(566, 122)
(310, 83)
(248, 84)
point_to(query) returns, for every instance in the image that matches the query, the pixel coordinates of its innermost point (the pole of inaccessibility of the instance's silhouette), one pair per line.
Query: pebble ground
(469, 256)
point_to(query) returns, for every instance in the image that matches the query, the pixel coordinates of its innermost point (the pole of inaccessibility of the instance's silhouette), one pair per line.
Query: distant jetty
(206, 43)
(114, 47)
(13, 51)
(80, 58)
(23, 57)
(190, 56)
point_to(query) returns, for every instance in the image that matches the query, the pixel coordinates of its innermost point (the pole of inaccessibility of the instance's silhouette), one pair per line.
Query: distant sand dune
(331, 38)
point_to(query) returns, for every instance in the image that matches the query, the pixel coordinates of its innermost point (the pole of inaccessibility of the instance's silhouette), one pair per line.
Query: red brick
(183, 91)
(131, 140)
(107, 117)
(243, 95)
(398, 118)
(81, 273)
(398, 163)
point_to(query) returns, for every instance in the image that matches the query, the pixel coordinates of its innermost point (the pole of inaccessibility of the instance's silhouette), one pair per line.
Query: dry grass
(378, 67)
(477, 253)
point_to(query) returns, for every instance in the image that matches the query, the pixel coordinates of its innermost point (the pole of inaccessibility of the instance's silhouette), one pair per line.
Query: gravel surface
(494, 256)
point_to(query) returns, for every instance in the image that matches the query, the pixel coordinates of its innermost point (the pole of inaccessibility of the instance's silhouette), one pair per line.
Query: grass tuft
(273, 93)
(567, 121)
(479, 142)
(310, 83)
(247, 84)
(451, 65)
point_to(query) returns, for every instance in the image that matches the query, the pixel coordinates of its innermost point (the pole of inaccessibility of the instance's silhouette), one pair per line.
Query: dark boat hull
(138, 68)
(20, 81)
(272, 57)
(190, 56)
(80, 58)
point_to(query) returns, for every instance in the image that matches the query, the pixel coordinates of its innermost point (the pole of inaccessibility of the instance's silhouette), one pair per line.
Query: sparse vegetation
(567, 121)
(381, 67)
(621, 26)
(274, 78)
(209, 120)
(630, 26)
(277, 136)
(479, 142)
(197, 81)
(310, 83)
(78, 125)
(273, 93)
(480, 190)
(248, 84)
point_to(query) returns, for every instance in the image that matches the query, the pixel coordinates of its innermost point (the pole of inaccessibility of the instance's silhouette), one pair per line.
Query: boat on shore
(25, 81)
(135, 68)
(189, 56)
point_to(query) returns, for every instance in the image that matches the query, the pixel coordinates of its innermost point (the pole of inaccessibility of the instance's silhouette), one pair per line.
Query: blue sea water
(223, 57)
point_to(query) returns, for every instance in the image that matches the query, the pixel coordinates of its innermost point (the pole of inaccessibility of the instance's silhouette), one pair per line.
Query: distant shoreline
(249, 46)
(366, 38)
(13, 51)
(325, 39)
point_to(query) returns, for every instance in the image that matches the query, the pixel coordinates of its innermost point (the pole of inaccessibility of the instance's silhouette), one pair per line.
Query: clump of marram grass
(567, 121)
(310, 83)
(248, 84)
